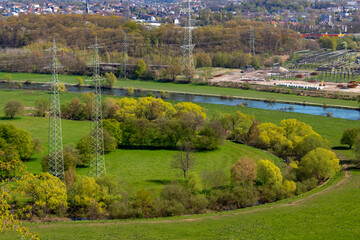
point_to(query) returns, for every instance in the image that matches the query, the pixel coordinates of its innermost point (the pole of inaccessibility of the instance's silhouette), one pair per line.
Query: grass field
(329, 212)
(330, 128)
(189, 88)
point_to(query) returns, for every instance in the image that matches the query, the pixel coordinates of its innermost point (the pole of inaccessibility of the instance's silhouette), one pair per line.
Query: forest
(24, 40)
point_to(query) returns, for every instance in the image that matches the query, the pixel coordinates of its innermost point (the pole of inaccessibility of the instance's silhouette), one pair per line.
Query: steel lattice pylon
(97, 158)
(188, 47)
(55, 157)
(124, 53)
(252, 41)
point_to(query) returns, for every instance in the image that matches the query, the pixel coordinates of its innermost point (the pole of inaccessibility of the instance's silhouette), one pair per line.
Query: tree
(243, 171)
(19, 139)
(85, 196)
(46, 190)
(12, 108)
(174, 68)
(214, 179)
(319, 163)
(80, 81)
(74, 110)
(8, 221)
(193, 182)
(88, 99)
(144, 201)
(186, 107)
(140, 68)
(308, 143)
(10, 163)
(113, 128)
(41, 105)
(184, 160)
(238, 124)
(268, 174)
(110, 79)
(349, 136)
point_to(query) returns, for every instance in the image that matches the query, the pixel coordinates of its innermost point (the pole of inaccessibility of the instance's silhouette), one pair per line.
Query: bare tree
(184, 160)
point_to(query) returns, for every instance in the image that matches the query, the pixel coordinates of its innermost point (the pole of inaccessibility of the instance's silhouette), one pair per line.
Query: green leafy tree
(349, 136)
(80, 81)
(110, 79)
(309, 143)
(42, 106)
(319, 163)
(12, 108)
(140, 68)
(20, 140)
(10, 164)
(144, 201)
(268, 174)
(86, 197)
(193, 182)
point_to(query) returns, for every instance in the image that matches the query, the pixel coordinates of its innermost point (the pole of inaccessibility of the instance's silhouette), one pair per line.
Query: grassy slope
(141, 168)
(329, 215)
(330, 128)
(189, 88)
(330, 212)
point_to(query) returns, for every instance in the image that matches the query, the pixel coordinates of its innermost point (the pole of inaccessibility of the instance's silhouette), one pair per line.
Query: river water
(307, 109)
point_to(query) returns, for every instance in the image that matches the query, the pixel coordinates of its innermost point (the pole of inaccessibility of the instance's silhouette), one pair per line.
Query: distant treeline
(24, 39)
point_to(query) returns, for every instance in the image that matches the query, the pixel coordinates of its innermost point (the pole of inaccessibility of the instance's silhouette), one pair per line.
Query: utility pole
(252, 41)
(55, 148)
(188, 47)
(97, 158)
(125, 57)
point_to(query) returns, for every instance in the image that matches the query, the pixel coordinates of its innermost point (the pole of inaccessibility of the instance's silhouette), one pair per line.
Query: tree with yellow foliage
(47, 191)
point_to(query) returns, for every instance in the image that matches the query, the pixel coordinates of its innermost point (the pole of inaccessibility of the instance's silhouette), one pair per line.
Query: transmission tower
(97, 158)
(124, 53)
(252, 41)
(87, 7)
(56, 159)
(188, 60)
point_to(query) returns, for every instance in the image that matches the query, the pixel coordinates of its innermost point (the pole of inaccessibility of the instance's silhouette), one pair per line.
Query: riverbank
(196, 89)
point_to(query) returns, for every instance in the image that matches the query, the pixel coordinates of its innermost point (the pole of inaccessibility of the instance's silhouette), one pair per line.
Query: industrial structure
(55, 149)
(125, 46)
(97, 158)
(252, 41)
(188, 46)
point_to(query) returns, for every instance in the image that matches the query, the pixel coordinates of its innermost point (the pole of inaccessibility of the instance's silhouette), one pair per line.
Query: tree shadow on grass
(8, 118)
(32, 159)
(159, 181)
(341, 148)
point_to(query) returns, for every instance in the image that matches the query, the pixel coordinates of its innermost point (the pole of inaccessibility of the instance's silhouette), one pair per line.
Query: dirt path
(296, 202)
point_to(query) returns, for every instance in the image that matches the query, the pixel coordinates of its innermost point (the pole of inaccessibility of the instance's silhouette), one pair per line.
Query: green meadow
(329, 212)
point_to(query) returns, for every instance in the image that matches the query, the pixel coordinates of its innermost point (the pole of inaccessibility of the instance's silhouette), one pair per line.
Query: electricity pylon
(188, 46)
(124, 53)
(252, 41)
(97, 158)
(55, 155)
